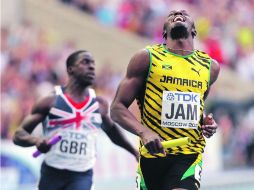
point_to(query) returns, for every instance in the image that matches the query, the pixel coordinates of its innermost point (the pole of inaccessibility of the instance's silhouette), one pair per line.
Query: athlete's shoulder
(154, 47)
(92, 92)
(202, 55)
(139, 62)
(58, 90)
(215, 70)
(44, 104)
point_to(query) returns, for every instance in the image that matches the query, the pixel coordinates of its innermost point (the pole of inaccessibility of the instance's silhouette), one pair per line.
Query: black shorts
(173, 171)
(56, 179)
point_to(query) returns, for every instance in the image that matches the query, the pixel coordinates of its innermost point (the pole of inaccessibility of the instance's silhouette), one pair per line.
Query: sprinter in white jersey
(75, 113)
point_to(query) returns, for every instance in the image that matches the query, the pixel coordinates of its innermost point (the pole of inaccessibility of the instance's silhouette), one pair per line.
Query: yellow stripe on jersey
(174, 97)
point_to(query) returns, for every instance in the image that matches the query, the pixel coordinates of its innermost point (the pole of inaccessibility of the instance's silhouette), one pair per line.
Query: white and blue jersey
(78, 124)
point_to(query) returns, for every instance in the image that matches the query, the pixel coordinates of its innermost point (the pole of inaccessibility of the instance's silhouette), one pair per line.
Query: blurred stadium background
(37, 36)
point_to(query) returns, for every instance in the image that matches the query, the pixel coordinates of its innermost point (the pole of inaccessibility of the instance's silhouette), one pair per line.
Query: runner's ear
(193, 31)
(70, 70)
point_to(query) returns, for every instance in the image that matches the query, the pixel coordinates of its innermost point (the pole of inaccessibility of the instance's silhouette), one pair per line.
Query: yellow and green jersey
(173, 101)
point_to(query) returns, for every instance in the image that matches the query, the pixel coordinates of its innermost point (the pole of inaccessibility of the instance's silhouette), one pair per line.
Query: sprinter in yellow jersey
(170, 82)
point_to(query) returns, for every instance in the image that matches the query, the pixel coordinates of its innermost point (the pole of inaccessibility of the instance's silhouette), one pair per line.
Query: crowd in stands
(31, 64)
(225, 27)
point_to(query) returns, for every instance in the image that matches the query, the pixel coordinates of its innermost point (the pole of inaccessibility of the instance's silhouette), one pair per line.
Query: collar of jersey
(178, 55)
(77, 105)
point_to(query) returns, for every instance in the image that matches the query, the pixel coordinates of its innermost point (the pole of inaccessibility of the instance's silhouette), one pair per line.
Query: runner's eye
(86, 61)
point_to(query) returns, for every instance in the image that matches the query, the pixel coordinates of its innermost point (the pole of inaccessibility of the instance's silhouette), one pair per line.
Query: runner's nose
(178, 13)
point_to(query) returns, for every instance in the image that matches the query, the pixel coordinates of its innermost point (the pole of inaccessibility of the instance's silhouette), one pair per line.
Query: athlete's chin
(179, 31)
(87, 82)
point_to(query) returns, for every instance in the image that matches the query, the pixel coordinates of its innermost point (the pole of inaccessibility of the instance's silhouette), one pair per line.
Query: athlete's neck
(181, 47)
(76, 91)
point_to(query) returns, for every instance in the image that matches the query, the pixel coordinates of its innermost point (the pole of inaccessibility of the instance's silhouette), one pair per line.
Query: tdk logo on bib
(179, 96)
(180, 109)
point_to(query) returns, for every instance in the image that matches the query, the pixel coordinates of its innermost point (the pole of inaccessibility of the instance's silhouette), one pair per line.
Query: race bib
(75, 145)
(76, 151)
(180, 109)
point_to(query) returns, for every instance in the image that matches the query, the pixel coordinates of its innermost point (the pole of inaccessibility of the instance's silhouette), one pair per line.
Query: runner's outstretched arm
(113, 131)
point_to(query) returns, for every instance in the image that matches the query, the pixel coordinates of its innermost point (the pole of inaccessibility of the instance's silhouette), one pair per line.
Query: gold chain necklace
(191, 51)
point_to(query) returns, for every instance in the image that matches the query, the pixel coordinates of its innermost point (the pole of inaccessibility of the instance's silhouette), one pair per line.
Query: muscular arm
(214, 73)
(209, 125)
(112, 131)
(127, 91)
(22, 136)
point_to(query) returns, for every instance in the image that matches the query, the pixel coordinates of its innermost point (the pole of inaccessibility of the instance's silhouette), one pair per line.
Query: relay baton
(52, 141)
(169, 144)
